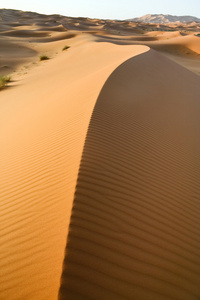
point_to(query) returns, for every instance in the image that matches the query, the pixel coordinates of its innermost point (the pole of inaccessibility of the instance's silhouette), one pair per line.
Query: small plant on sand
(65, 48)
(44, 57)
(4, 81)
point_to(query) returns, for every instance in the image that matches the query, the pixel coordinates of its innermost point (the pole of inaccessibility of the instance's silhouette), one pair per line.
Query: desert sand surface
(100, 166)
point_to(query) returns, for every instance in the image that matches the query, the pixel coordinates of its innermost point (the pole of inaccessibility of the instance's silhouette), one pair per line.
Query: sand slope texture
(99, 158)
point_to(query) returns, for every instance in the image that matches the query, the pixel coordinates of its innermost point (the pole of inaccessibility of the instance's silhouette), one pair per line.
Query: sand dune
(134, 231)
(184, 50)
(44, 122)
(119, 123)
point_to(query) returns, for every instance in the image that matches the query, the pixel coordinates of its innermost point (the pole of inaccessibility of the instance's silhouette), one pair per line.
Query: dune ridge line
(134, 230)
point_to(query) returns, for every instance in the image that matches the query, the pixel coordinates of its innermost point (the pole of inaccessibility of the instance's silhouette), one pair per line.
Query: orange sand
(119, 122)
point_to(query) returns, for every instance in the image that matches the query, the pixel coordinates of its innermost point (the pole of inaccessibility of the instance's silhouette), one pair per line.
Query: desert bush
(65, 48)
(4, 81)
(44, 57)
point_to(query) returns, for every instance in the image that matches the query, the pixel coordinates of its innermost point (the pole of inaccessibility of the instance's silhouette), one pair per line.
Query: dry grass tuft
(44, 57)
(65, 48)
(4, 81)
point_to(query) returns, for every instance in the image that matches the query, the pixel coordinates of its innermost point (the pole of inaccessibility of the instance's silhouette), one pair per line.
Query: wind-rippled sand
(100, 168)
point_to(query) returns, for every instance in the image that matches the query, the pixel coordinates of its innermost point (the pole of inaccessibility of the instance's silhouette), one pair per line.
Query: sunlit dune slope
(44, 119)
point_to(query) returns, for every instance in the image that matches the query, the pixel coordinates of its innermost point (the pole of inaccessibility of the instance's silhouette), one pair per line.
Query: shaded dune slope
(135, 227)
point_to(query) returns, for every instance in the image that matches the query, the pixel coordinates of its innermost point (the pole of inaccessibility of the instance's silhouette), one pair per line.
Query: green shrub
(65, 48)
(44, 57)
(4, 81)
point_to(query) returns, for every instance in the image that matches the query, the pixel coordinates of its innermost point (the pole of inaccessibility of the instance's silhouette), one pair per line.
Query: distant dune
(165, 19)
(100, 170)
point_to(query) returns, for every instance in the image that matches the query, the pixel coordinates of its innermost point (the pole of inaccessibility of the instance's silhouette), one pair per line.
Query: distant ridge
(165, 19)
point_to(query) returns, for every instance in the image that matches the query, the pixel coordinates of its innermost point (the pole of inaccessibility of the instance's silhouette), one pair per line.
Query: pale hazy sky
(107, 9)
